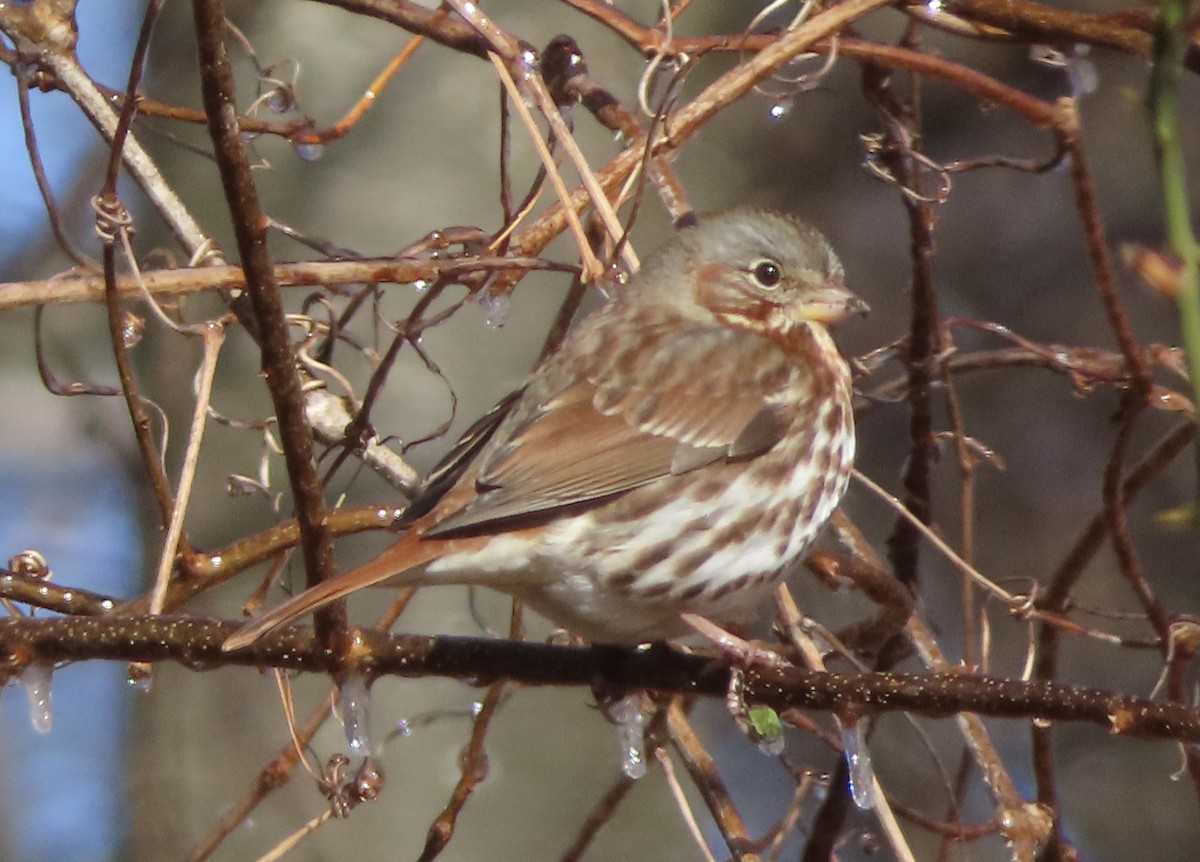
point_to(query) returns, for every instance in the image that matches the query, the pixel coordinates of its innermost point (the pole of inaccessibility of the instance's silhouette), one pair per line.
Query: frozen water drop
(280, 100)
(781, 109)
(631, 734)
(858, 761)
(138, 677)
(133, 326)
(481, 764)
(1082, 74)
(353, 711)
(495, 308)
(420, 285)
(36, 681)
(309, 152)
(529, 61)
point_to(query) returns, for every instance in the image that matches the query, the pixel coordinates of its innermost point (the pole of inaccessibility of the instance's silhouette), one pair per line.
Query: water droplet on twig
(495, 308)
(133, 326)
(353, 711)
(626, 713)
(309, 152)
(36, 681)
(858, 760)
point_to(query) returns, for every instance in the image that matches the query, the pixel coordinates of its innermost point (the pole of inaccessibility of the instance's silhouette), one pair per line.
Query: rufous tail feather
(410, 551)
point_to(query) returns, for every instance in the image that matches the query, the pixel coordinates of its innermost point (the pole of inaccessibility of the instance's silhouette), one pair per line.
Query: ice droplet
(280, 100)
(36, 681)
(353, 711)
(309, 152)
(495, 308)
(481, 767)
(420, 285)
(781, 109)
(858, 760)
(1082, 74)
(132, 328)
(138, 677)
(631, 734)
(528, 60)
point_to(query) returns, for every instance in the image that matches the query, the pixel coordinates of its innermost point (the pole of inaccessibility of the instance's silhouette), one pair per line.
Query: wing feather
(613, 423)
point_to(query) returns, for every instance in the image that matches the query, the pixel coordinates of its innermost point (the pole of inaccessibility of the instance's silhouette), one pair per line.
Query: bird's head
(755, 270)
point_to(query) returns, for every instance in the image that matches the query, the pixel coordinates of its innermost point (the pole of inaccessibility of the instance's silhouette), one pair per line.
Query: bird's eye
(767, 273)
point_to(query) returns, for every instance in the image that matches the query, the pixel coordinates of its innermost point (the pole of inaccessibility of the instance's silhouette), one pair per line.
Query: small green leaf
(765, 722)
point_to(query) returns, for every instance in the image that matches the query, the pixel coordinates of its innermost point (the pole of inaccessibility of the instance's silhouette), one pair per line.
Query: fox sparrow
(670, 461)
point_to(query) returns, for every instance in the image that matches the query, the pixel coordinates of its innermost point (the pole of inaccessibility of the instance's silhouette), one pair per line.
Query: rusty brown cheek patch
(716, 290)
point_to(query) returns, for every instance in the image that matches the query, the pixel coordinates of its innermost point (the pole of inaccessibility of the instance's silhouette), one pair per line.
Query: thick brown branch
(197, 643)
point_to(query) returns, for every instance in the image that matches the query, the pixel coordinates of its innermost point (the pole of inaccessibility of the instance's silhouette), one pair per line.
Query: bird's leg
(740, 652)
(759, 724)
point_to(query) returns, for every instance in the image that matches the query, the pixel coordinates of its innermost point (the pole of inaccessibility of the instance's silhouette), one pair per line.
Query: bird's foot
(740, 653)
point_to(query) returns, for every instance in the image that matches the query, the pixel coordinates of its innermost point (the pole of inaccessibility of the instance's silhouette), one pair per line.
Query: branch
(278, 357)
(196, 643)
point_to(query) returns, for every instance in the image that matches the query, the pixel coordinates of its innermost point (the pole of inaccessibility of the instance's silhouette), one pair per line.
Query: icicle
(858, 759)
(631, 734)
(495, 308)
(36, 680)
(138, 676)
(353, 711)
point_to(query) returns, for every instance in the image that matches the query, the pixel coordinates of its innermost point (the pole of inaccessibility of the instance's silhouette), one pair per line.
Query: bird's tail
(407, 554)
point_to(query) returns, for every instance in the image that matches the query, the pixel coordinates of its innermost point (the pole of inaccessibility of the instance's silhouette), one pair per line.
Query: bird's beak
(832, 302)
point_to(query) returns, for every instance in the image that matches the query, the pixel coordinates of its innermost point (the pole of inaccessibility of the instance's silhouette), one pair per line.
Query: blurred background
(1009, 248)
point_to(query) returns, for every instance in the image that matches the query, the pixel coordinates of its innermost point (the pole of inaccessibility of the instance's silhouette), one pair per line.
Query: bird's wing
(620, 419)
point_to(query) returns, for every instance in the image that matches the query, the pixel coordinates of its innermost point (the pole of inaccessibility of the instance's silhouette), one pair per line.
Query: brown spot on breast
(692, 592)
(773, 469)
(737, 532)
(635, 505)
(731, 586)
(695, 525)
(688, 563)
(622, 580)
(647, 559)
(835, 419)
(707, 490)
(823, 460)
(654, 590)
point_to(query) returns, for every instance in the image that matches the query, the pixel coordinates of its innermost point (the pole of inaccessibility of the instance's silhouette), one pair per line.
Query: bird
(667, 464)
